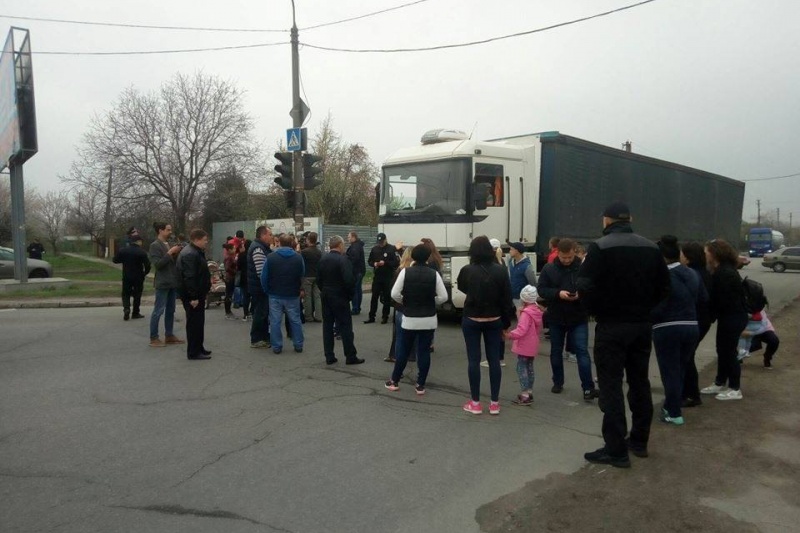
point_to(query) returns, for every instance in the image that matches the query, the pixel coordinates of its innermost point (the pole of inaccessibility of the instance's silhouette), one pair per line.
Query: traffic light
(309, 171)
(285, 181)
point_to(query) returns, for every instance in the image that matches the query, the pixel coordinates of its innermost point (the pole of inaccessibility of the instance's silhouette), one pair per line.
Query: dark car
(783, 259)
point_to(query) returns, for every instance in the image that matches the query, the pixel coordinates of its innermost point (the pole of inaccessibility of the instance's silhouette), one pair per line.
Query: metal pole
(297, 122)
(18, 223)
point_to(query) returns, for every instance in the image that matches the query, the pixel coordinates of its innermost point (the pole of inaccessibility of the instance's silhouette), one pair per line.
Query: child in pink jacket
(526, 342)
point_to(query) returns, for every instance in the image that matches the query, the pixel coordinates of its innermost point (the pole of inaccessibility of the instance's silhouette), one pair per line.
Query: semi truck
(529, 188)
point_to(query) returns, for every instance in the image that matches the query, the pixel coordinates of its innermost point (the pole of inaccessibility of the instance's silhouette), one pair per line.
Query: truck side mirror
(480, 193)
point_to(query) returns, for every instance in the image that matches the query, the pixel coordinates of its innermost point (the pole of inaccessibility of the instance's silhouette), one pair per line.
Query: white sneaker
(714, 389)
(730, 395)
(742, 354)
(571, 357)
(485, 364)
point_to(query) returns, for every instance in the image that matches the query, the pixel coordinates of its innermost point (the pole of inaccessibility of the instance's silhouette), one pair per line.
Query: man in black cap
(621, 280)
(384, 261)
(135, 267)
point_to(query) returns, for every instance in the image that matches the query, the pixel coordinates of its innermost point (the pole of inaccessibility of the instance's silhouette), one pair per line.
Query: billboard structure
(18, 141)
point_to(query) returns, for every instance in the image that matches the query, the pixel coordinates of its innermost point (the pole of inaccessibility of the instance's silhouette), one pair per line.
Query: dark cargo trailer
(579, 178)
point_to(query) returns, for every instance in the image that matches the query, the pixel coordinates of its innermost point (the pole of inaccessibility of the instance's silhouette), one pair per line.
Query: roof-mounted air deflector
(442, 135)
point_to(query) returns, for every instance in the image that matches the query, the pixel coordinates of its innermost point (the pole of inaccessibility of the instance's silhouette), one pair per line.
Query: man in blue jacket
(282, 279)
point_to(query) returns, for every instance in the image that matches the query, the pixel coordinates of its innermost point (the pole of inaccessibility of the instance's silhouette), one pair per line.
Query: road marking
(7, 310)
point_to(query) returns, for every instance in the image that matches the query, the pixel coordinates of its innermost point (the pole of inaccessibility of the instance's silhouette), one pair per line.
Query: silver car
(36, 267)
(787, 258)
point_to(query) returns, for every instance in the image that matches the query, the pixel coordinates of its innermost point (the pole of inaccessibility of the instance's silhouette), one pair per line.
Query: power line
(150, 52)
(359, 17)
(141, 26)
(200, 28)
(473, 43)
(773, 177)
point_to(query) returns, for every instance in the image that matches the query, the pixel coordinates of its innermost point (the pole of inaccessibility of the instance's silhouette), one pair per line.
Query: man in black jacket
(622, 279)
(355, 253)
(558, 284)
(135, 267)
(336, 282)
(195, 282)
(384, 261)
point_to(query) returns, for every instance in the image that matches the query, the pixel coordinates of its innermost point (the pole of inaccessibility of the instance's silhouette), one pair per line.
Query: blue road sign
(294, 140)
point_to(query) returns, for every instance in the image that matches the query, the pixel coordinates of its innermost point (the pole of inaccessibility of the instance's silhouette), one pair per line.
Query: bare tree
(50, 215)
(347, 192)
(173, 143)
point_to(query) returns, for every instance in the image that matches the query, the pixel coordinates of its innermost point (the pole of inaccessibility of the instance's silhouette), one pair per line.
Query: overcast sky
(712, 84)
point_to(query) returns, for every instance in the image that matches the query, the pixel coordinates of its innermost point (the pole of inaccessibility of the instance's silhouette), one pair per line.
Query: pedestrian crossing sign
(294, 139)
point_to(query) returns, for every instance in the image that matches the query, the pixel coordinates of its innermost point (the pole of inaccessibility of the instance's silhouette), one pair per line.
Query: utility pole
(758, 216)
(107, 214)
(297, 121)
(790, 222)
(778, 223)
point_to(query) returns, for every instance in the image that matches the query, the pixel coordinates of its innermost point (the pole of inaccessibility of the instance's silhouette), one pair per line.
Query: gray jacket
(164, 265)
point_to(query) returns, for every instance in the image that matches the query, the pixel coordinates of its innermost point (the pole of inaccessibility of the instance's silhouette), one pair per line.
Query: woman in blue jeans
(487, 313)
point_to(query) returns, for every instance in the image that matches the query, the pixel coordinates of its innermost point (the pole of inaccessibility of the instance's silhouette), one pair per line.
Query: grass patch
(74, 268)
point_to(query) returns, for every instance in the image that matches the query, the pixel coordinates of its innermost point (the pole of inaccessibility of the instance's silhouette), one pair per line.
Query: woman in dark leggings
(487, 313)
(727, 307)
(694, 257)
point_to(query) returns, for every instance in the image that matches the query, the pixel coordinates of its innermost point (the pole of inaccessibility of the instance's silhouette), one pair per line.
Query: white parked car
(36, 267)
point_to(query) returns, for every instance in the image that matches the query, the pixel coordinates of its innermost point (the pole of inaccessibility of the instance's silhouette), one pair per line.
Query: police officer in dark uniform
(135, 267)
(384, 261)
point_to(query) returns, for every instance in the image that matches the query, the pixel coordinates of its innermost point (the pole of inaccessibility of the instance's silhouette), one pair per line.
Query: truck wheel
(38, 273)
(779, 267)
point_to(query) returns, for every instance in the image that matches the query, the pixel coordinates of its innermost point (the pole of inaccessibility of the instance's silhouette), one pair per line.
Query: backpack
(754, 298)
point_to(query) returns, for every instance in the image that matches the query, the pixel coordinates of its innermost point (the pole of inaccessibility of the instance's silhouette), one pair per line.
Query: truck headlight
(447, 275)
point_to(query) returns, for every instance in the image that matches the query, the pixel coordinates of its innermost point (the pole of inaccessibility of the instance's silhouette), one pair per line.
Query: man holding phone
(569, 321)
(163, 257)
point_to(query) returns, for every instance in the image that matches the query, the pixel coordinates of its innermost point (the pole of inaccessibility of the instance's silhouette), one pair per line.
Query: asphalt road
(100, 433)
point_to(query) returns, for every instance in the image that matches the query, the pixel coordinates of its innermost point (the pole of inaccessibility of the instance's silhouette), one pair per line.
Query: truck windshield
(433, 188)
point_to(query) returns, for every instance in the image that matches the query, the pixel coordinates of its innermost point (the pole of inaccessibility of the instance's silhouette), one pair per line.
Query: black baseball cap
(618, 210)
(381, 237)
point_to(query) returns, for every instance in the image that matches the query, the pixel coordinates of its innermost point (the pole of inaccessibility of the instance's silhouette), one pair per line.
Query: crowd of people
(642, 295)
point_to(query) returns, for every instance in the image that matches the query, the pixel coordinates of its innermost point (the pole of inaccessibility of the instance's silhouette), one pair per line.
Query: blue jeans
(408, 339)
(525, 373)
(277, 307)
(492, 337)
(578, 338)
(674, 346)
(165, 305)
(358, 293)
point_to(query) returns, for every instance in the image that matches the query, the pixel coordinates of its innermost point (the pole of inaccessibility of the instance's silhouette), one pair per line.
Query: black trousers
(336, 310)
(771, 340)
(229, 288)
(132, 288)
(381, 290)
(195, 327)
(691, 382)
(729, 369)
(624, 349)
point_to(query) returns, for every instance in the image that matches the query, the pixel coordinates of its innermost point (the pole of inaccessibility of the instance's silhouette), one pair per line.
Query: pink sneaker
(494, 408)
(392, 386)
(473, 407)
